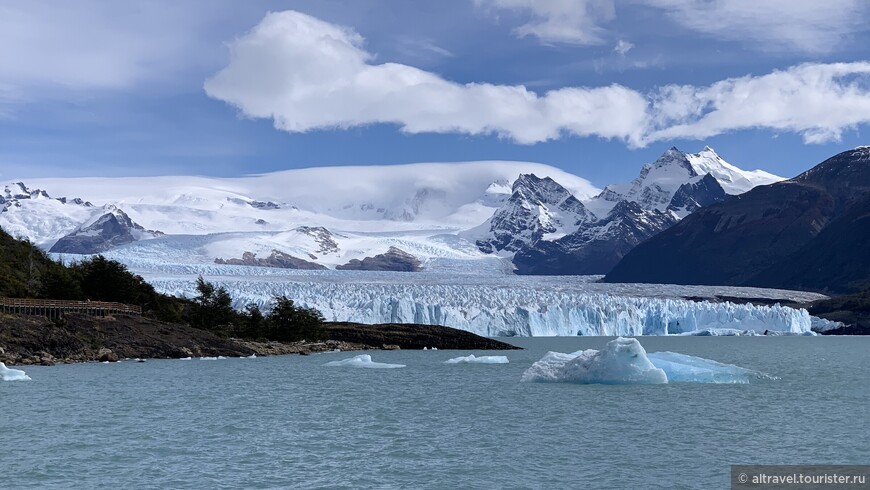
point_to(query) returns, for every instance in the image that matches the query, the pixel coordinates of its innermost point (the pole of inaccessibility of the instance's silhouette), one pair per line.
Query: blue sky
(596, 87)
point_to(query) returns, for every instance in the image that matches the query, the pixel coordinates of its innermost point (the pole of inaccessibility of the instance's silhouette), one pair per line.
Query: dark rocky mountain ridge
(809, 232)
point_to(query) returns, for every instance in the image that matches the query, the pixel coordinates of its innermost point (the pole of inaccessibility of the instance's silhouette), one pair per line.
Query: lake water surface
(290, 422)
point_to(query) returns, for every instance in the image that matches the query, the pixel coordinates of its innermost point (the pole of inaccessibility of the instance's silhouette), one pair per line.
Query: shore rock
(106, 355)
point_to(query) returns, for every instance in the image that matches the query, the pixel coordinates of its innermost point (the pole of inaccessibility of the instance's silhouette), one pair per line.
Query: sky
(595, 87)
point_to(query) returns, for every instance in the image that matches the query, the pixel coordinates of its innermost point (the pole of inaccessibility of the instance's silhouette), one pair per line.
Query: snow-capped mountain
(538, 208)
(331, 216)
(540, 218)
(105, 232)
(676, 171)
(601, 230)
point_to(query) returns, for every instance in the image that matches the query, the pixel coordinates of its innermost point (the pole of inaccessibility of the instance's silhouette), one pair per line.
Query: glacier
(624, 361)
(8, 374)
(507, 305)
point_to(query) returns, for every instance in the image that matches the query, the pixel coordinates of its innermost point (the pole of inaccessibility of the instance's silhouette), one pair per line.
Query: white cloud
(565, 21)
(306, 74)
(818, 101)
(622, 47)
(810, 26)
(805, 25)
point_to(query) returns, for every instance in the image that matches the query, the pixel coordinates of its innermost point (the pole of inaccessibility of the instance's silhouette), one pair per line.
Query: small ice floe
(185, 358)
(734, 332)
(472, 359)
(8, 374)
(624, 361)
(221, 357)
(252, 356)
(719, 332)
(362, 361)
(206, 358)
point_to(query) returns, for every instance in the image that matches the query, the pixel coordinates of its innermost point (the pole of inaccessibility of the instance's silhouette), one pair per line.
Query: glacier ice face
(8, 374)
(472, 359)
(624, 361)
(621, 361)
(489, 303)
(518, 308)
(682, 368)
(363, 361)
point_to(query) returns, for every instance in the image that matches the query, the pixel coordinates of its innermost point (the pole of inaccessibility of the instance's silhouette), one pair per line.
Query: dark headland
(28, 339)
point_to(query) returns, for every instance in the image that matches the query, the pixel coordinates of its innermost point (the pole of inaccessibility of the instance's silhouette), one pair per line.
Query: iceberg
(624, 361)
(362, 361)
(621, 361)
(472, 359)
(682, 368)
(720, 332)
(7, 374)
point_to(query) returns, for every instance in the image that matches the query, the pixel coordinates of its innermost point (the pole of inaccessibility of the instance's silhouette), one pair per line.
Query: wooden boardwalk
(55, 308)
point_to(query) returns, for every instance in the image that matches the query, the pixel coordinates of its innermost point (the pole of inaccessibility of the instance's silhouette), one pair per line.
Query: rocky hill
(809, 232)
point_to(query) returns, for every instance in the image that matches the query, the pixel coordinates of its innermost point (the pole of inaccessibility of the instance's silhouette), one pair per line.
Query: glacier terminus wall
(501, 308)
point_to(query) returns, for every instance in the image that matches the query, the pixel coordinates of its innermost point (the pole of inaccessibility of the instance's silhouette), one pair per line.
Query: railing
(55, 308)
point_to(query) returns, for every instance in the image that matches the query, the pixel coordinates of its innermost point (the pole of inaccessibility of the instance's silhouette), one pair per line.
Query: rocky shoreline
(28, 340)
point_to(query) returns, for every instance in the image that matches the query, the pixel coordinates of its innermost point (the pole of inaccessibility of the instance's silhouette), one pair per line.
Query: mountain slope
(105, 232)
(484, 214)
(548, 233)
(769, 235)
(536, 207)
(596, 248)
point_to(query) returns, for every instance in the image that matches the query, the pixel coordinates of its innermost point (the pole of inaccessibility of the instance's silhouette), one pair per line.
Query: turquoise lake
(290, 422)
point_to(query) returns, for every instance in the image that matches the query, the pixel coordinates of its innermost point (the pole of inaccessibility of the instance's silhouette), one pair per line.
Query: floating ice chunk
(624, 361)
(208, 358)
(472, 359)
(184, 358)
(434, 348)
(362, 361)
(621, 361)
(252, 356)
(221, 357)
(682, 368)
(8, 374)
(720, 332)
(774, 333)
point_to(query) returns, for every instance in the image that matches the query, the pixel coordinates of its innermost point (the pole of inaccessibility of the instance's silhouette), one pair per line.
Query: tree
(214, 306)
(288, 322)
(252, 320)
(109, 280)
